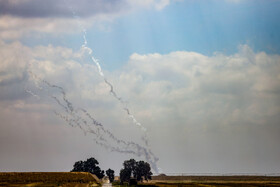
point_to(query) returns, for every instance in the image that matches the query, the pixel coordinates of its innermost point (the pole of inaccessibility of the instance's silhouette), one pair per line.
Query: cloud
(42, 9)
(221, 112)
(31, 17)
(218, 103)
(12, 28)
(234, 82)
(85, 8)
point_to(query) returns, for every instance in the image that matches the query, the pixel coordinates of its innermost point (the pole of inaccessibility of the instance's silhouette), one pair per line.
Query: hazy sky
(201, 79)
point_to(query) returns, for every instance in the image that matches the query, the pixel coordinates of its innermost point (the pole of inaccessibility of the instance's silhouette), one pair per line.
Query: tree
(130, 165)
(78, 166)
(125, 175)
(128, 170)
(90, 165)
(111, 174)
(143, 169)
(139, 170)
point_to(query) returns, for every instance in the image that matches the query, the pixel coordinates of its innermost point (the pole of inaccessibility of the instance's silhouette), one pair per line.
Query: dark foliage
(132, 182)
(143, 170)
(90, 165)
(125, 175)
(130, 165)
(111, 174)
(139, 170)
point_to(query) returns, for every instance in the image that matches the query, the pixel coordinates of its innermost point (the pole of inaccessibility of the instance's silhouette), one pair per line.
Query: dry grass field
(220, 181)
(83, 179)
(48, 179)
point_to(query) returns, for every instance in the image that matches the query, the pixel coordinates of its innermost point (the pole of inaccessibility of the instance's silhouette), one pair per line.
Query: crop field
(48, 179)
(83, 179)
(220, 181)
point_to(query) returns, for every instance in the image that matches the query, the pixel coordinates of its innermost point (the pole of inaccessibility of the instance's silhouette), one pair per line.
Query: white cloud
(225, 107)
(15, 27)
(232, 79)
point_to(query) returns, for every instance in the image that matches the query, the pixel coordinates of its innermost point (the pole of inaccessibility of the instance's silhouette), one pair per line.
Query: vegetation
(90, 165)
(219, 181)
(111, 174)
(139, 170)
(45, 179)
(82, 179)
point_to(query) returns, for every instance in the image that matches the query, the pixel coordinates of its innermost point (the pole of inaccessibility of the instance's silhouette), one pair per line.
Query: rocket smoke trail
(96, 62)
(81, 118)
(32, 93)
(113, 93)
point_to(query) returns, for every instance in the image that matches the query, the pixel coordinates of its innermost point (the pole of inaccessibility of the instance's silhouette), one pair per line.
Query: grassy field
(48, 179)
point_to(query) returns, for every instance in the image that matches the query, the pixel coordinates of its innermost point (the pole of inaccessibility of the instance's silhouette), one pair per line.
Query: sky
(190, 86)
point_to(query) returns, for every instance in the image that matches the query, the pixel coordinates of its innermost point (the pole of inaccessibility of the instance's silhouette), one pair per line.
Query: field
(220, 181)
(48, 179)
(82, 179)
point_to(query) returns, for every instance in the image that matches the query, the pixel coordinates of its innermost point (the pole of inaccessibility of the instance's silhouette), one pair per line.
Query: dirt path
(107, 185)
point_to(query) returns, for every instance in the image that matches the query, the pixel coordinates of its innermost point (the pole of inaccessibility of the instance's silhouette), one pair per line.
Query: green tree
(143, 170)
(140, 170)
(78, 166)
(125, 175)
(90, 165)
(111, 174)
(130, 165)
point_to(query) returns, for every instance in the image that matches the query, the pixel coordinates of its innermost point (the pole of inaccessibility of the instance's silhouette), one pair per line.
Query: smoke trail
(135, 121)
(32, 93)
(89, 50)
(82, 119)
(113, 93)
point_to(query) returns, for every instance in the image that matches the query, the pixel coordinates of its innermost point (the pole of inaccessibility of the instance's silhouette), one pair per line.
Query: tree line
(138, 170)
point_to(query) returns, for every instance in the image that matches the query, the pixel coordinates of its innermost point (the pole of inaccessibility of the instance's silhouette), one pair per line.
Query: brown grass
(48, 179)
(217, 178)
(220, 181)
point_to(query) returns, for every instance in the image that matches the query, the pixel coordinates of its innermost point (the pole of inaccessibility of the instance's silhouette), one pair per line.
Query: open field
(220, 181)
(217, 178)
(83, 179)
(48, 179)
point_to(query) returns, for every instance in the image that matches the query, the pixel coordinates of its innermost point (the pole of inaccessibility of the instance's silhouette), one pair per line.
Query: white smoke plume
(82, 119)
(112, 91)
(96, 62)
